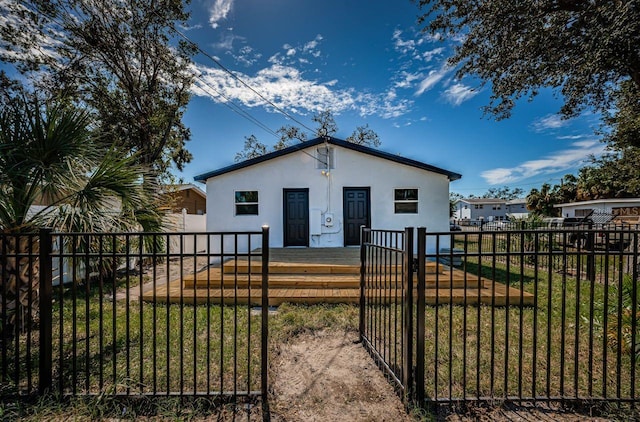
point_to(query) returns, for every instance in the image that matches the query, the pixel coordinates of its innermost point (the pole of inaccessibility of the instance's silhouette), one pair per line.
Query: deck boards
(325, 275)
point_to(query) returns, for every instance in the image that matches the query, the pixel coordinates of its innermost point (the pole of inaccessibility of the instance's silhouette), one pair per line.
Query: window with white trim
(246, 202)
(324, 156)
(405, 201)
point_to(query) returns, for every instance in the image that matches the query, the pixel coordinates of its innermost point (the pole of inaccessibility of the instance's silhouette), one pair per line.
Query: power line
(229, 104)
(237, 109)
(233, 75)
(237, 78)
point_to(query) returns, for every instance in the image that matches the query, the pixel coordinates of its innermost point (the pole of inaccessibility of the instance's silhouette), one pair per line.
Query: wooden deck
(324, 275)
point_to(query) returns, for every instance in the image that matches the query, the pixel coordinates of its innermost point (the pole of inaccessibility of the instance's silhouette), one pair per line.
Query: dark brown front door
(296, 217)
(357, 210)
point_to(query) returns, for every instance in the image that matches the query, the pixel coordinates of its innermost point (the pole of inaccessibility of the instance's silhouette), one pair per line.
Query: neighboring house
(517, 208)
(624, 209)
(318, 193)
(188, 197)
(187, 206)
(480, 209)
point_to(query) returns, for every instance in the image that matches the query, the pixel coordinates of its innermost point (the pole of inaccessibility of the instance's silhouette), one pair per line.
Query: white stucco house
(623, 209)
(480, 209)
(475, 210)
(318, 193)
(517, 208)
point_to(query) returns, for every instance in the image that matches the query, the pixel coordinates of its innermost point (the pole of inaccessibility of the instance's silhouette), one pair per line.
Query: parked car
(454, 227)
(496, 225)
(611, 235)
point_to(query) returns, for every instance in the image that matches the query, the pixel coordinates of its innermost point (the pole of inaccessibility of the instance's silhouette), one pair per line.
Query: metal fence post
(264, 384)
(407, 352)
(363, 258)
(420, 324)
(45, 378)
(591, 259)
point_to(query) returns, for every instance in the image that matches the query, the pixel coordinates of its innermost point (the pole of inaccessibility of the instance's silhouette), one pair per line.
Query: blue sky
(369, 63)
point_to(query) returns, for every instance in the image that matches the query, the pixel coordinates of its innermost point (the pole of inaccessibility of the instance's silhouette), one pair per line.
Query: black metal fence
(524, 316)
(73, 322)
(386, 301)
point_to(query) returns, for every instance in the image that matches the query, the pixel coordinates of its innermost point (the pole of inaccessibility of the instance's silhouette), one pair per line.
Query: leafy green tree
(252, 149)
(585, 49)
(504, 192)
(614, 175)
(326, 124)
(541, 202)
(289, 135)
(116, 57)
(363, 135)
(49, 154)
(453, 197)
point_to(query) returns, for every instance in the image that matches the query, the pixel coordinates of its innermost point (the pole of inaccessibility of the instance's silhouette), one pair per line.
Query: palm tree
(541, 202)
(50, 154)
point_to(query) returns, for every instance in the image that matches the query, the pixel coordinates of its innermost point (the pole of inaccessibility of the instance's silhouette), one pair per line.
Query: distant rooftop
(482, 200)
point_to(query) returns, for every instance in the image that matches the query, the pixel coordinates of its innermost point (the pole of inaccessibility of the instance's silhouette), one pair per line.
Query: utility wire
(229, 104)
(235, 108)
(234, 76)
(237, 78)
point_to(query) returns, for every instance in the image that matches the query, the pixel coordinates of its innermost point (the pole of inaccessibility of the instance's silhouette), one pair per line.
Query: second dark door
(357, 210)
(296, 217)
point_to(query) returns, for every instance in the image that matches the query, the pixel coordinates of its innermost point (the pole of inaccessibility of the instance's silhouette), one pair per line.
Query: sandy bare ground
(327, 376)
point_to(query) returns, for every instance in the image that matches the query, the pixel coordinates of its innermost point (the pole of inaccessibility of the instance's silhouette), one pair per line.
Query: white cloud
(402, 46)
(429, 55)
(556, 162)
(226, 41)
(572, 137)
(311, 46)
(189, 28)
(458, 93)
(407, 79)
(549, 122)
(247, 56)
(219, 11)
(297, 54)
(432, 79)
(287, 88)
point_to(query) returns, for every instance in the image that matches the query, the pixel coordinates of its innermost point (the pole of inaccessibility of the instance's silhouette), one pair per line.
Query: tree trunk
(19, 278)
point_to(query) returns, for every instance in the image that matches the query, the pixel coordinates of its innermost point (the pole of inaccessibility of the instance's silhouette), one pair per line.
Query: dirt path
(329, 377)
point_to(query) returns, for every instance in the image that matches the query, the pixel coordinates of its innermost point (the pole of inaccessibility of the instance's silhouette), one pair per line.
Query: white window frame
(236, 203)
(406, 201)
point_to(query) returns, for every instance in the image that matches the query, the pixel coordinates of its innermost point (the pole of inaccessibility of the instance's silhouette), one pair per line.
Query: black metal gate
(509, 316)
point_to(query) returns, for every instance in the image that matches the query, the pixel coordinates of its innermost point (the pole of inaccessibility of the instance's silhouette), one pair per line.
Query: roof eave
(349, 145)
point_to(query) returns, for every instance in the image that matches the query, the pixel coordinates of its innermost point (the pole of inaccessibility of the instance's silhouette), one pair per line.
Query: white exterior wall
(569, 210)
(486, 213)
(186, 223)
(352, 169)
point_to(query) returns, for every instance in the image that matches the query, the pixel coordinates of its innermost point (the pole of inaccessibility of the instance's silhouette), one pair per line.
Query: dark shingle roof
(334, 141)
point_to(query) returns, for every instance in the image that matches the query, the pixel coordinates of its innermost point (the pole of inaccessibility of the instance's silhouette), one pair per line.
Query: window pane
(246, 196)
(406, 207)
(251, 209)
(406, 194)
